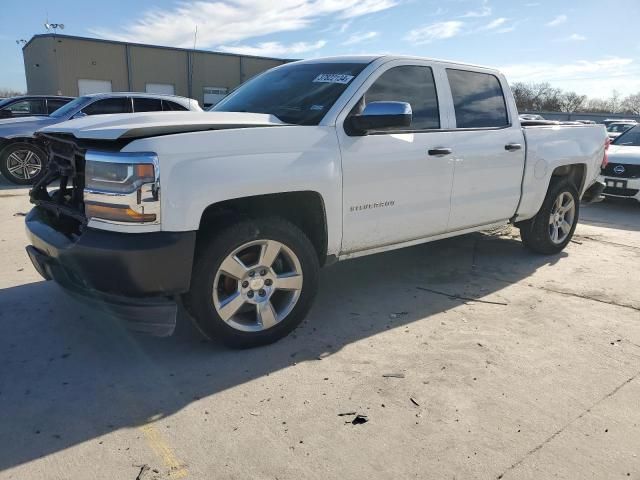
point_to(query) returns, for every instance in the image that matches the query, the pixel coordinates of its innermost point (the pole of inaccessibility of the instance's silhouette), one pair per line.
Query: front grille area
(630, 171)
(66, 166)
(621, 192)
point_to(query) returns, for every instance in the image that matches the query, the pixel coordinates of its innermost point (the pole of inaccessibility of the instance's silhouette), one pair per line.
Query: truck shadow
(618, 213)
(70, 374)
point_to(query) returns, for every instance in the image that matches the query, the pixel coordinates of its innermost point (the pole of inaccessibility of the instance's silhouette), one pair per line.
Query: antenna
(54, 26)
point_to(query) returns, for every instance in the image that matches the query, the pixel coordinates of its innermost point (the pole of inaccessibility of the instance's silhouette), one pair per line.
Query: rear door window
(172, 106)
(411, 84)
(33, 106)
(108, 106)
(55, 103)
(478, 99)
(147, 105)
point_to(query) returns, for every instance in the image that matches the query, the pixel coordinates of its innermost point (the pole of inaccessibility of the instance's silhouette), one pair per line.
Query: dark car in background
(31, 105)
(23, 158)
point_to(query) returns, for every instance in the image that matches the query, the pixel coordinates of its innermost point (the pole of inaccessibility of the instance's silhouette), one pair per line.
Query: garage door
(85, 87)
(212, 95)
(163, 88)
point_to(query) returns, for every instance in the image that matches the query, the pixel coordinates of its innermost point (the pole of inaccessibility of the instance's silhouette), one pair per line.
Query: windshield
(4, 101)
(298, 93)
(70, 107)
(630, 138)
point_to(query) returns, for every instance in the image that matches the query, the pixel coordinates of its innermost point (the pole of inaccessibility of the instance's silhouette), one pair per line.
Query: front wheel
(23, 163)
(253, 282)
(553, 226)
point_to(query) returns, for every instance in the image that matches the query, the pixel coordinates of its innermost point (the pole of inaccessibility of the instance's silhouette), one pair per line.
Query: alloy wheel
(24, 164)
(563, 214)
(257, 285)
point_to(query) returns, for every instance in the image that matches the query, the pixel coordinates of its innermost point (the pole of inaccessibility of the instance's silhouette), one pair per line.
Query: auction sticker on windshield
(333, 78)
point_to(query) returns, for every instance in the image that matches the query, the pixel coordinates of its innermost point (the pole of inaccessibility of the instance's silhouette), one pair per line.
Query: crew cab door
(394, 190)
(487, 144)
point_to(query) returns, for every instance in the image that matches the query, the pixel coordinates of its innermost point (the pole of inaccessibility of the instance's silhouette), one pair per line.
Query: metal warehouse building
(66, 65)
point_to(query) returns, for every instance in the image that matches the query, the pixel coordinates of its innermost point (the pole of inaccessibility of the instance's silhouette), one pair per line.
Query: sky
(578, 45)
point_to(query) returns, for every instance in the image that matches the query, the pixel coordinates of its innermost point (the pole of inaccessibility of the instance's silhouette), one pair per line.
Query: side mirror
(6, 114)
(380, 116)
(79, 115)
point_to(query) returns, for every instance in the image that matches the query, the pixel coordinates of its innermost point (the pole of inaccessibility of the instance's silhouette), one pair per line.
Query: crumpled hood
(138, 125)
(24, 126)
(624, 154)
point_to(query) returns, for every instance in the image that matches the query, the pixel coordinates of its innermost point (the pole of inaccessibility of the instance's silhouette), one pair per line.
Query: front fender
(199, 169)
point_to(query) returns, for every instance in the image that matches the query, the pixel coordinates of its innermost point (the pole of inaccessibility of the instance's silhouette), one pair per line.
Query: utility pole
(21, 42)
(191, 62)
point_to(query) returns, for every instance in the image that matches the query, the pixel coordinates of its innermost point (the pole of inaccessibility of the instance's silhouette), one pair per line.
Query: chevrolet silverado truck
(232, 212)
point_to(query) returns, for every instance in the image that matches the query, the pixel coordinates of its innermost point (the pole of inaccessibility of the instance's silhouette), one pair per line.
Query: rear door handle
(440, 152)
(512, 147)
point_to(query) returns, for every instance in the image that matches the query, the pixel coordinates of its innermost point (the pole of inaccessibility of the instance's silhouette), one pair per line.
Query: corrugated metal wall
(55, 63)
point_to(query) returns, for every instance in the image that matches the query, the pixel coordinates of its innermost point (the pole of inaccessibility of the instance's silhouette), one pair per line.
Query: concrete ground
(536, 378)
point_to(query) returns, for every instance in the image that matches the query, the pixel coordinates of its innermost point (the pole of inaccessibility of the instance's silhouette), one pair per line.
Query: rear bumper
(131, 276)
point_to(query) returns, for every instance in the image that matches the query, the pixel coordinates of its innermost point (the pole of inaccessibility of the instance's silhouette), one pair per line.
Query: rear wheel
(23, 163)
(253, 283)
(553, 226)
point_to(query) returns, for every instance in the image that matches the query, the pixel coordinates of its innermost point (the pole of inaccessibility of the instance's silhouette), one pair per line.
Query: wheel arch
(8, 142)
(305, 209)
(576, 173)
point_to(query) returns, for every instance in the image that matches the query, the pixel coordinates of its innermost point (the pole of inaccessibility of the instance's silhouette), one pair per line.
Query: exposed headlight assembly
(122, 188)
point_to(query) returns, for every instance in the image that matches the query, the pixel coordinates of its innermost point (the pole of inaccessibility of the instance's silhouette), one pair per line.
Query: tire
(537, 234)
(23, 163)
(246, 248)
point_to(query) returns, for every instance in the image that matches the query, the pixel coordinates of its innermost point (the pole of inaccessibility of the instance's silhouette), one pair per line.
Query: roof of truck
(386, 58)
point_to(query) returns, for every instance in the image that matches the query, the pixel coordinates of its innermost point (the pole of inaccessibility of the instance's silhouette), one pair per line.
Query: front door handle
(440, 152)
(512, 147)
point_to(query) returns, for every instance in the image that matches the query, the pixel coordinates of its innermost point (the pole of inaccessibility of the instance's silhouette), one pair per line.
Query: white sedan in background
(622, 173)
(615, 129)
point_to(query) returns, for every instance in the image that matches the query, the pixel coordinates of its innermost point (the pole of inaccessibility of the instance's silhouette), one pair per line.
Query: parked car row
(23, 157)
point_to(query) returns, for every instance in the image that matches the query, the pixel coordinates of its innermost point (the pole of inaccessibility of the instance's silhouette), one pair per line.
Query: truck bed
(550, 146)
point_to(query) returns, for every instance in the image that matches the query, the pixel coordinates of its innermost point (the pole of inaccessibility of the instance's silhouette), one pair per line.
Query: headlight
(122, 187)
(117, 177)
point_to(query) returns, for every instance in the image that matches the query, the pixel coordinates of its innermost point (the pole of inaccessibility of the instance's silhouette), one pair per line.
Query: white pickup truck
(233, 211)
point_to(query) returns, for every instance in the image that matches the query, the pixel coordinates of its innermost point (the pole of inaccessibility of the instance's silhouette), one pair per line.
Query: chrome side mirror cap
(381, 116)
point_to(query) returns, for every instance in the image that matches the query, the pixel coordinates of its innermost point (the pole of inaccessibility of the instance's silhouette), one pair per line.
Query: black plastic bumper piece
(135, 277)
(594, 193)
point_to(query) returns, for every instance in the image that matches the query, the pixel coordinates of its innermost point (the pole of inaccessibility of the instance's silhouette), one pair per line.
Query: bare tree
(537, 96)
(631, 104)
(542, 97)
(615, 102)
(9, 92)
(572, 102)
(597, 105)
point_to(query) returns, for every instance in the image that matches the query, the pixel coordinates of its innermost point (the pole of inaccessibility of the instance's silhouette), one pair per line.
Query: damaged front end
(66, 166)
(133, 276)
